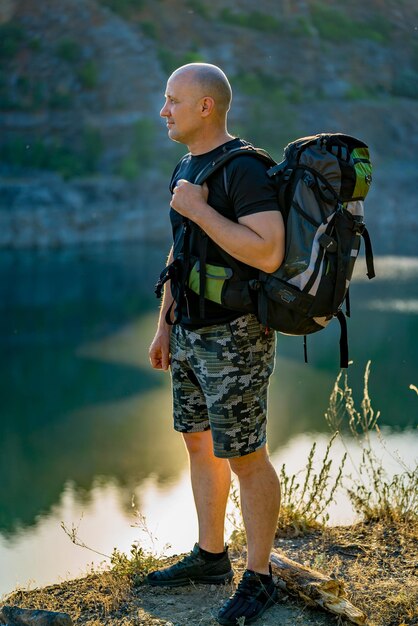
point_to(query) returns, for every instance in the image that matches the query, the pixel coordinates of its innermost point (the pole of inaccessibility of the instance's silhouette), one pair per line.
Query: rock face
(14, 616)
(46, 211)
(83, 155)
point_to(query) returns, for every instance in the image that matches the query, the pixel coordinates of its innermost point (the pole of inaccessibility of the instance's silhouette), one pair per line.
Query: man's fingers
(165, 361)
(159, 358)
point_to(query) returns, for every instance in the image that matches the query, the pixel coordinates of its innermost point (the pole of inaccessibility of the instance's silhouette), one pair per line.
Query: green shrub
(142, 153)
(129, 168)
(12, 36)
(357, 92)
(269, 89)
(198, 7)
(29, 94)
(35, 44)
(334, 25)
(406, 84)
(60, 99)
(255, 20)
(377, 28)
(137, 565)
(125, 8)
(69, 50)
(149, 29)
(414, 55)
(88, 75)
(300, 26)
(262, 86)
(92, 148)
(55, 155)
(170, 61)
(331, 23)
(6, 103)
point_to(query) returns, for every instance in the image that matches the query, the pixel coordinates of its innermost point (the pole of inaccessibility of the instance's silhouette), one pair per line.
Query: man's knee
(249, 463)
(199, 444)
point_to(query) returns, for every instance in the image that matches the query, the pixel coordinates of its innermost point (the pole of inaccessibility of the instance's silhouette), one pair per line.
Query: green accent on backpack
(363, 170)
(215, 280)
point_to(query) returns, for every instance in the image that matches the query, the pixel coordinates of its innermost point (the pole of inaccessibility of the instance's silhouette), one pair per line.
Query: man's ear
(207, 105)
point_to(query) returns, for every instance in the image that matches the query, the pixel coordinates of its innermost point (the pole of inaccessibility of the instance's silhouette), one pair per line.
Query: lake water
(85, 429)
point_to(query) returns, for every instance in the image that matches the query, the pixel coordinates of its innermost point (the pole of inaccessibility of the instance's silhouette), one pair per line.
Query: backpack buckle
(287, 174)
(254, 284)
(308, 179)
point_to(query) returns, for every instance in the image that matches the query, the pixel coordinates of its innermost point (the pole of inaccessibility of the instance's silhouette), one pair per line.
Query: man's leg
(211, 479)
(208, 562)
(260, 504)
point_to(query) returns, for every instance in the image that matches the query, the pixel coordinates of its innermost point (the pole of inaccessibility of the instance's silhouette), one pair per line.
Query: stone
(15, 616)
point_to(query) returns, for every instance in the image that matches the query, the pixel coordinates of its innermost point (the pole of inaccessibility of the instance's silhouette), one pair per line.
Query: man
(220, 363)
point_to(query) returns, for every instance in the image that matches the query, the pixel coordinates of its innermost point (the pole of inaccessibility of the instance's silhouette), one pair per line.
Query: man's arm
(257, 239)
(159, 351)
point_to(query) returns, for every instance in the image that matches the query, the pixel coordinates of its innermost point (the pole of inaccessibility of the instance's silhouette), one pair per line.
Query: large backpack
(321, 185)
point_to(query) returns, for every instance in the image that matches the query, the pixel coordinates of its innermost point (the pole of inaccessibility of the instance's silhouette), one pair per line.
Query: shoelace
(248, 585)
(189, 559)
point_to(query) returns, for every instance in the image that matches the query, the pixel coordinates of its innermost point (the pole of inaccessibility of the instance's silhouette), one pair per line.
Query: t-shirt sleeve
(250, 189)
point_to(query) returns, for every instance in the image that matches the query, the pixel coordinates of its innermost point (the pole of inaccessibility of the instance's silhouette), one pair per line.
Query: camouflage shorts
(220, 376)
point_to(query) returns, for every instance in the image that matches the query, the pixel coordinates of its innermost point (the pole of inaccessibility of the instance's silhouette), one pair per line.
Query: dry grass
(88, 600)
(378, 563)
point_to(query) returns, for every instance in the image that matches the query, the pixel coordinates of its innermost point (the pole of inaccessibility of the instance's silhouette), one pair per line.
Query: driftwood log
(14, 616)
(315, 588)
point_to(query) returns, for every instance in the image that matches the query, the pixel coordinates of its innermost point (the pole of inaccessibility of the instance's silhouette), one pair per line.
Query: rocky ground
(378, 564)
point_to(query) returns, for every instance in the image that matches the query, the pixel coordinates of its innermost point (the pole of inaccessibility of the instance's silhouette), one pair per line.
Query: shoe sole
(221, 579)
(269, 603)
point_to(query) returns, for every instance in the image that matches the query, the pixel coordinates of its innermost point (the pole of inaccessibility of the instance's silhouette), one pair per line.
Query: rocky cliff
(84, 156)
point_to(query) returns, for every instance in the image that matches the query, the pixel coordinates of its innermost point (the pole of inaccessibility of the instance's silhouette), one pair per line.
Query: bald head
(208, 80)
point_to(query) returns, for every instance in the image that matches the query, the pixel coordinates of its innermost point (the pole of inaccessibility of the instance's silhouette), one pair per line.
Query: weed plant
(307, 495)
(374, 495)
(134, 565)
(140, 561)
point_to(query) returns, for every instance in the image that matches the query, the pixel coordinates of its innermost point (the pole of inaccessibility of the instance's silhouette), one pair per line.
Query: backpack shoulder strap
(202, 176)
(227, 156)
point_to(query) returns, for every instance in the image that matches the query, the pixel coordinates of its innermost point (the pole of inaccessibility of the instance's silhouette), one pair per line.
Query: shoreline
(377, 563)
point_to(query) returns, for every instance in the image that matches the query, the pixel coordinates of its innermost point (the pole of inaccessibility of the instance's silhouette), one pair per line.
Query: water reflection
(85, 421)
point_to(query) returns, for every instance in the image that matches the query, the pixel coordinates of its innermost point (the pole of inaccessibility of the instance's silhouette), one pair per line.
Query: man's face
(182, 109)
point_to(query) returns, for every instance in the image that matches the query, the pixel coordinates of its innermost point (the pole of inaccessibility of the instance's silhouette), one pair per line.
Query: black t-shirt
(250, 191)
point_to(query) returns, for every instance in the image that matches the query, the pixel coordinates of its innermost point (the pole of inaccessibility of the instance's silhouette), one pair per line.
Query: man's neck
(206, 144)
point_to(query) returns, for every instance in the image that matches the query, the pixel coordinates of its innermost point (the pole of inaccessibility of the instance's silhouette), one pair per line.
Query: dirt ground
(378, 564)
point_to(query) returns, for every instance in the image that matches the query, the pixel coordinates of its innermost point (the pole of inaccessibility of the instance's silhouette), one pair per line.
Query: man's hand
(159, 351)
(189, 199)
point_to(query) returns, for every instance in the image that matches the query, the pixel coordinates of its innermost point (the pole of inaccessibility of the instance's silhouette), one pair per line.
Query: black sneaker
(193, 568)
(250, 600)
